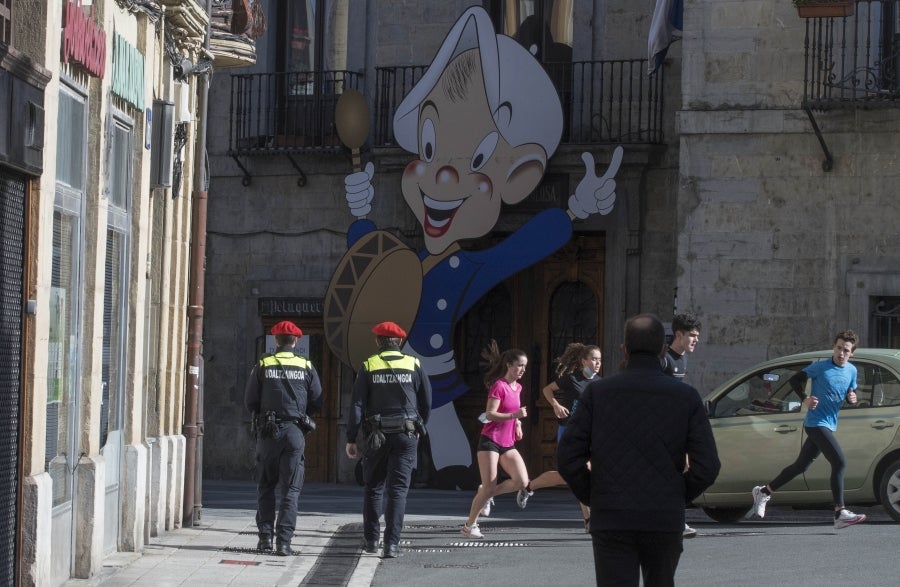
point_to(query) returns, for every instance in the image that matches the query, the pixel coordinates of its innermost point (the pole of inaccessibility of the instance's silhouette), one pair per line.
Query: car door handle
(785, 428)
(880, 424)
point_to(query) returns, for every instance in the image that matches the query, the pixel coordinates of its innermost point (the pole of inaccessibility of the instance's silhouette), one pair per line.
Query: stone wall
(767, 240)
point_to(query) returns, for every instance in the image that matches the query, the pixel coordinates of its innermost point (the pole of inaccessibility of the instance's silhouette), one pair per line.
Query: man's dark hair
(285, 340)
(847, 336)
(644, 333)
(385, 342)
(685, 323)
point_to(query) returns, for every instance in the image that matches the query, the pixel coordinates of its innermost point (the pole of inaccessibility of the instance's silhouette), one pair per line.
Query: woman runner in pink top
(497, 443)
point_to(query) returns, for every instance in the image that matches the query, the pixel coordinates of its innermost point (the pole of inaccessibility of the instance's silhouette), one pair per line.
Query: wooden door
(539, 310)
(567, 307)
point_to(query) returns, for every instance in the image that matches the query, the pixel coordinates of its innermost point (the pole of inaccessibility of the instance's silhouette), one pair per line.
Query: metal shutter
(12, 241)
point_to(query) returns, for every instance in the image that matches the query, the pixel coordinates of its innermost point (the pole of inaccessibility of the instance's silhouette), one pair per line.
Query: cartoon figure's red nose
(447, 174)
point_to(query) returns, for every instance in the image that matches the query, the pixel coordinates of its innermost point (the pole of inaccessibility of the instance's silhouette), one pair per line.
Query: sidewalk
(220, 549)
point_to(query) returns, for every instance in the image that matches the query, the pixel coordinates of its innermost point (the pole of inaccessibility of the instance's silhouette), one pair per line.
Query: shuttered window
(12, 239)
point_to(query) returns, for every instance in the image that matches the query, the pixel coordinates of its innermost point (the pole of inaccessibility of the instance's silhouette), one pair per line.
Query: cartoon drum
(379, 279)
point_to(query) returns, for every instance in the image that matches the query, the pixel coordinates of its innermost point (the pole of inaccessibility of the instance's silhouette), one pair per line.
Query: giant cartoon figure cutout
(483, 121)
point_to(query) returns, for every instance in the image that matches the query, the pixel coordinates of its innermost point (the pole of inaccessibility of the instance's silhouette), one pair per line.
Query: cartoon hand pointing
(596, 195)
(359, 191)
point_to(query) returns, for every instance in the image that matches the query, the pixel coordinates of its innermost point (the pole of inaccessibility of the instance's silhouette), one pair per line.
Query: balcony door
(312, 47)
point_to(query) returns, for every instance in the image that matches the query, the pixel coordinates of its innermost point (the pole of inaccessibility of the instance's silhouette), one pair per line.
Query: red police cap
(389, 329)
(287, 327)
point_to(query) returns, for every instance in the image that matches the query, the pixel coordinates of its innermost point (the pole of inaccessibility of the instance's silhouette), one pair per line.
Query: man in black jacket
(636, 428)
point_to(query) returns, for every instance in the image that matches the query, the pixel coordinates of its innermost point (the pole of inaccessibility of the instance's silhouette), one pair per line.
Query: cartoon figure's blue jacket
(453, 286)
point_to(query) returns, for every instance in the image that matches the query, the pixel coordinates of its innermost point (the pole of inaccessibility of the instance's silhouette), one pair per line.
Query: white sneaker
(847, 518)
(471, 531)
(689, 532)
(522, 497)
(760, 499)
(486, 510)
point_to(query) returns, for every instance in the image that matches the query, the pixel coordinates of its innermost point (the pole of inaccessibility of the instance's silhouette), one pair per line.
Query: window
(854, 57)
(885, 323)
(115, 283)
(875, 386)
(542, 26)
(65, 279)
(490, 318)
(313, 35)
(878, 25)
(765, 392)
(573, 318)
(6, 21)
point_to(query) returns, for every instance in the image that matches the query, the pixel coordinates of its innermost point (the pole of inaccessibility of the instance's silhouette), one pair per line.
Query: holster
(267, 425)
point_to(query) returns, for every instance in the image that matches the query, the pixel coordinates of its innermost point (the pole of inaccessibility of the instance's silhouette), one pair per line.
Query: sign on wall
(84, 41)
(128, 72)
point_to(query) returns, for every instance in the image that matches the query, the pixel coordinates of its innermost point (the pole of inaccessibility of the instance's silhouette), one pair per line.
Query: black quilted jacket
(636, 428)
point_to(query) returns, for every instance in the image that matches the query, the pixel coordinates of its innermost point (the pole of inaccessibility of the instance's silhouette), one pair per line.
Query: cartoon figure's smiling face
(465, 169)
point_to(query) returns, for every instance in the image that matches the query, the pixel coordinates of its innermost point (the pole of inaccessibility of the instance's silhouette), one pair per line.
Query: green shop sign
(128, 72)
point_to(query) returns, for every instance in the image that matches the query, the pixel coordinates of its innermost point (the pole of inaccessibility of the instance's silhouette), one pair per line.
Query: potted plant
(824, 8)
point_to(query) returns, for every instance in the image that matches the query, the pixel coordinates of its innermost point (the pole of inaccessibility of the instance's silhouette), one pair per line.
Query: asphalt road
(545, 544)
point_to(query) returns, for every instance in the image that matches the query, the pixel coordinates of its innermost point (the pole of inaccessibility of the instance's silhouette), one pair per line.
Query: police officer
(283, 388)
(391, 403)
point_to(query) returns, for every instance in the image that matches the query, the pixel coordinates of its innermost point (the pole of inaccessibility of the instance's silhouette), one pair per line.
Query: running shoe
(471, 531)
(522, 497)
(689, 532)
(760, 499)
(847, 518)
(486, 510)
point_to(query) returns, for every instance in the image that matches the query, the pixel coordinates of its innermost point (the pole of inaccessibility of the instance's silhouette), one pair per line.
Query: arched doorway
(539, 310)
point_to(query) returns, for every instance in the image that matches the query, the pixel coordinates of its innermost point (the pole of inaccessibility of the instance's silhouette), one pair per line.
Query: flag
(665, 28)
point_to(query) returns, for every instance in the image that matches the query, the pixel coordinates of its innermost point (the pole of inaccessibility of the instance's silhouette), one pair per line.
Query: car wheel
(889, 490)
(727, 515)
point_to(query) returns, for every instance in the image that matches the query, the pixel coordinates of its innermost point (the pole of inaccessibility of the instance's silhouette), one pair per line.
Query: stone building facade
(774, 252)
(730, 214)
(279, 219)
(100, 121)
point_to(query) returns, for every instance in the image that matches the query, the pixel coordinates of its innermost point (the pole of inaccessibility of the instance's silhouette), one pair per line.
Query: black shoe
(391, 551)
(265, 543)
(370, 547)
(283, 549)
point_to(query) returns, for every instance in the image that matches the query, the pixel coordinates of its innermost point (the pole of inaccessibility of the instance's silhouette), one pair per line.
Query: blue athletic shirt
(830, 385)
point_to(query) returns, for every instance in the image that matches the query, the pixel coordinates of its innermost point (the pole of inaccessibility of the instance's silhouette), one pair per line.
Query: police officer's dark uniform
(283, 388)
(391, 403)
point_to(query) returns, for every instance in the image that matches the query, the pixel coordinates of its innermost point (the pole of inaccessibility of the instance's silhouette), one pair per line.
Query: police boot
(283, 549)
(265, 543)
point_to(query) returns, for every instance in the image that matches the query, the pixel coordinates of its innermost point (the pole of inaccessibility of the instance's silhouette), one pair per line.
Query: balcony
(603, 101)
(854, 61)
(612, 102)
(286, 112)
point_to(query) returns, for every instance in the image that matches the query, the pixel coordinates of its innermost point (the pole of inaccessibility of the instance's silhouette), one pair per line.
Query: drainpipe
(193, 420)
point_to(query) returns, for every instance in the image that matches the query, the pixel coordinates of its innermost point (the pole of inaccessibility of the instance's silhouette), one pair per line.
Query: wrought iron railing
(603, 101)
(286, 112)
(854, 61)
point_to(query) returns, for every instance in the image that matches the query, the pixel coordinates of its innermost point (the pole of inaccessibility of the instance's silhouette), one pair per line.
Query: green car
(757, 420)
